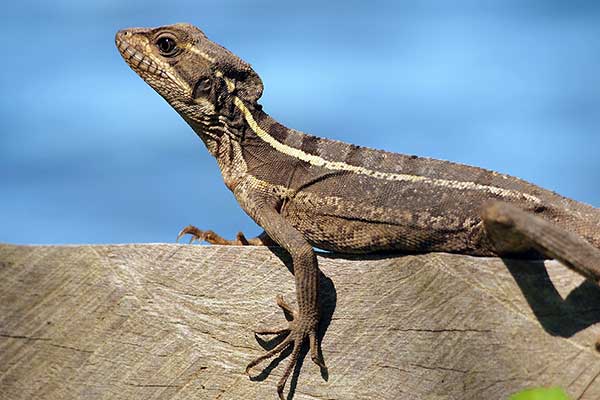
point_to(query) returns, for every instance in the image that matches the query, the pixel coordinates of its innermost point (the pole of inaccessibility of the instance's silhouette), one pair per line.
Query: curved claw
(241, 239)
(314, 351)
(273, 331)
(196, 233)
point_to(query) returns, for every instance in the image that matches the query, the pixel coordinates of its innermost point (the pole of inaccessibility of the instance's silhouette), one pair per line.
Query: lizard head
(197, 77)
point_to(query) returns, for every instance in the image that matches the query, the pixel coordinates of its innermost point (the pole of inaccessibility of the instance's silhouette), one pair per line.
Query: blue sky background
(90, 154)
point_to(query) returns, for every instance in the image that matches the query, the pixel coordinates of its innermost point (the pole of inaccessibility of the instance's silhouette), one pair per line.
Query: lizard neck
(274, 154)
(247, 141)
(225, 134)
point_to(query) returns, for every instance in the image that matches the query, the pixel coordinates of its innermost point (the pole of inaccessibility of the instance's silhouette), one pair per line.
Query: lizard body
(308, 191)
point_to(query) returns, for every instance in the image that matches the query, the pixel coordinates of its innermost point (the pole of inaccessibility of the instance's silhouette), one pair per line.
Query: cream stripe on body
(389, 176)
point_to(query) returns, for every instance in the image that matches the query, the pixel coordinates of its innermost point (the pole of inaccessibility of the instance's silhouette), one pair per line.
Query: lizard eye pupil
(166, 46)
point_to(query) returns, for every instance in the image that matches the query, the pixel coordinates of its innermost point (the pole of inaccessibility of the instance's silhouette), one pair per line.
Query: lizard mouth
(135, 58)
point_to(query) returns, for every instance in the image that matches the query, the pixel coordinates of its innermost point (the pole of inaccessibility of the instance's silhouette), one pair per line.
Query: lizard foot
(211, 237)
(297, 330)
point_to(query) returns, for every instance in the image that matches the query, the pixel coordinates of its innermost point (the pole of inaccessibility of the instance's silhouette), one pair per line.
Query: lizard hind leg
(512, 231)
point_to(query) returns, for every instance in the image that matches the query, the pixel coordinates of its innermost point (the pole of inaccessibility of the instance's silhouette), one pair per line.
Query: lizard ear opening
(202, 88)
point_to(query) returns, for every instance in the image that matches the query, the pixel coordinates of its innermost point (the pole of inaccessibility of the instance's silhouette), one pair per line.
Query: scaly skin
(307, 191)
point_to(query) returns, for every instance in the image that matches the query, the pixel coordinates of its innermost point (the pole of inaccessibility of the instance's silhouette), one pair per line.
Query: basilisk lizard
(306, 191)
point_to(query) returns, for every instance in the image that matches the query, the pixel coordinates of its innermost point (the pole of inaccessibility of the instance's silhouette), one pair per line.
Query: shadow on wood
(174, 322)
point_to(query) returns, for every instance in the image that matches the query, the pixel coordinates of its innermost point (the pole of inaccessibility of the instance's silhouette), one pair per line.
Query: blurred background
(90, 154)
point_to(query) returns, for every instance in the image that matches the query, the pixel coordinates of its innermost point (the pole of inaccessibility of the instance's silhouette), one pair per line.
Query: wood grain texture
(174, 322)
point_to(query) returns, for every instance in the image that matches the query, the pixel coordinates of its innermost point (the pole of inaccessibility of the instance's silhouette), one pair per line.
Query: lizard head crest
(198, 77)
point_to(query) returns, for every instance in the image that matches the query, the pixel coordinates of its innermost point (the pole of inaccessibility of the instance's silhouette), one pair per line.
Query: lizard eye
(167, 46)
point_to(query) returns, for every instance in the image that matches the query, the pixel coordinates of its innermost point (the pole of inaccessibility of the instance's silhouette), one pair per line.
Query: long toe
(276, 350)
(315, 350)
(289, 368)
(273, 331)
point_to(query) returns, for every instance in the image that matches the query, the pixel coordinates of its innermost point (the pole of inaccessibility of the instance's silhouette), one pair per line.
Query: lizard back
(433, 205)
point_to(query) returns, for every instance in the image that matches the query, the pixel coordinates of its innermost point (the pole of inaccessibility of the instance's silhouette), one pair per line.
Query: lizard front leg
(211, 237)
(305, 320)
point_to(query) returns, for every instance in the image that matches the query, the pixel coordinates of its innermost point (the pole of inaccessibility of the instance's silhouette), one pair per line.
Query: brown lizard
(306, 191)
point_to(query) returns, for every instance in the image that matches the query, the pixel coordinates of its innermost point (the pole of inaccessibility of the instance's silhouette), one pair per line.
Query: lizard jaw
(137, 52)
(135, 58)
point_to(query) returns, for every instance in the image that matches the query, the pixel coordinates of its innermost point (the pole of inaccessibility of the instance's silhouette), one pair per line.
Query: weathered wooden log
(174, 322)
